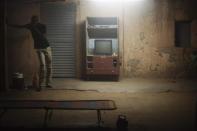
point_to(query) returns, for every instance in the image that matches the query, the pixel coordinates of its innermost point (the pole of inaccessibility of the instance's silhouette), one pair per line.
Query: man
(41, 45)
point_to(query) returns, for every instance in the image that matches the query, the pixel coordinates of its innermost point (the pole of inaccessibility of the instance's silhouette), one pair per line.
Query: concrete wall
(146, 36)
(21, 54)
(149, 49)
(3, 76)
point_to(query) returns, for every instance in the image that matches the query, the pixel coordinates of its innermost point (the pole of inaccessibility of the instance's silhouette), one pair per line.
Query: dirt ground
(149, 105)
(145, 111)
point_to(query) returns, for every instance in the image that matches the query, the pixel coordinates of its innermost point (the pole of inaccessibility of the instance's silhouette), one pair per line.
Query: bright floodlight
(114, 0)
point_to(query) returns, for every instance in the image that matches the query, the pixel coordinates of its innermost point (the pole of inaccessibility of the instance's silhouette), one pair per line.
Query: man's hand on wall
(6, 20)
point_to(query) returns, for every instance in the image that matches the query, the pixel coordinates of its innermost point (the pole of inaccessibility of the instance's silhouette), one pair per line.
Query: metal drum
(18, 81)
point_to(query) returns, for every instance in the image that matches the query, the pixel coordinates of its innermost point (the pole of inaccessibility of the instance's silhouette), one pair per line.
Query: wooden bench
(50, 105)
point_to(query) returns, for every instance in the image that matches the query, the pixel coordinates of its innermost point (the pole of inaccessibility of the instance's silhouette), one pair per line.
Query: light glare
(115, 0)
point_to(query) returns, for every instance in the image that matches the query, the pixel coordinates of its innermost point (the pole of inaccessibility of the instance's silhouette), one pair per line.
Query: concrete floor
(126, 85)
(150, 105)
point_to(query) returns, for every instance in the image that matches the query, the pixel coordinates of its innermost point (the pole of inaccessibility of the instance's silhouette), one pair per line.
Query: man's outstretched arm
(15, 26)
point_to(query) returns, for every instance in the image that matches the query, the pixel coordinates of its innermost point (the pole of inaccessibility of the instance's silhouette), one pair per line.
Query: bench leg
(99, 118)
(50, 114)
(46, 117)
(2, 113)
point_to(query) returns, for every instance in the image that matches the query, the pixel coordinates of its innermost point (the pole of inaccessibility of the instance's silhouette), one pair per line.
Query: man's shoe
(38, 89)
(49, 86)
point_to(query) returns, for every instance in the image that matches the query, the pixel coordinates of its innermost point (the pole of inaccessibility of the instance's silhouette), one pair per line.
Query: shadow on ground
(134, 128)
(61, 129)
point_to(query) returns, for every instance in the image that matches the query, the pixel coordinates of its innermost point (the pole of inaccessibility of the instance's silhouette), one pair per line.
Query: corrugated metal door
(60, 21)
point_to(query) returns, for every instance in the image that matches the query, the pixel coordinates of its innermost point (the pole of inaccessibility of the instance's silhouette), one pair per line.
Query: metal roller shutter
(60, 21)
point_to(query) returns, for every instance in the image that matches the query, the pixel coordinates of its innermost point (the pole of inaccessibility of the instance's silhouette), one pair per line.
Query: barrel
(18, 81)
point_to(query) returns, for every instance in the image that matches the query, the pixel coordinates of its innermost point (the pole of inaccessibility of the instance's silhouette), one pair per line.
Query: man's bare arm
(14, 25)
(17, 26)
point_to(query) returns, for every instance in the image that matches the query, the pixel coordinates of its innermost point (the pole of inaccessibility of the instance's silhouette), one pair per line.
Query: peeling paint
(133, 63)
(170, 52)
(154, 68)
(142, 36)
(160, 54)
(133, 66)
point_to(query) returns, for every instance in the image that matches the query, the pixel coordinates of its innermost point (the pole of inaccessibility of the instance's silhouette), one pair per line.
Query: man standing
(42, 47)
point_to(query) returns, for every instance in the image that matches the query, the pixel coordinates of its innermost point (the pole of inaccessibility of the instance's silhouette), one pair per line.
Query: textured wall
(149, 38)
(3, 76)
(21, 54)
(147, 34)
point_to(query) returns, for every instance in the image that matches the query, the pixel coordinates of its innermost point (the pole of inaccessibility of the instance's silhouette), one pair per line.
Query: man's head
(34, 19)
